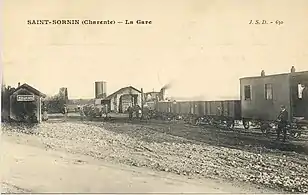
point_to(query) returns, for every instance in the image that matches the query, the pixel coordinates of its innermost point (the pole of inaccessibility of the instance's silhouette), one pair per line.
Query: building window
(300, 89)
(247, 92)
(268, 92)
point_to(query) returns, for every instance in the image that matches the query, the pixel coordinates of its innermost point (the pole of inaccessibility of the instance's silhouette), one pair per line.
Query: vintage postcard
(154, 96)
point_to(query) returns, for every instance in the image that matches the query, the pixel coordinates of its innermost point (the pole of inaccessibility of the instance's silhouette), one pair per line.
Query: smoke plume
(167, 86)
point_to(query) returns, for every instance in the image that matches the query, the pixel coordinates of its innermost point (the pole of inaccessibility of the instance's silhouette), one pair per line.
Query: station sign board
(25, 98)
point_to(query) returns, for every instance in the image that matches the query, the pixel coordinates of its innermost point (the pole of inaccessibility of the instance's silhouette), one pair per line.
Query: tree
(6, 91)
(55, 104)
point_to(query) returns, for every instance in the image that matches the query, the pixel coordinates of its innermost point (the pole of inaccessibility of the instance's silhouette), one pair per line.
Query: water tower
(100, 89)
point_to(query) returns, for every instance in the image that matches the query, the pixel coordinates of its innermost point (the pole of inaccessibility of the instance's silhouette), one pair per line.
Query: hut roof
(31, 89)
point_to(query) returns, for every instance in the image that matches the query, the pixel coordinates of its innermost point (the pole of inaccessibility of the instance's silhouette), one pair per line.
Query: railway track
(237, 138)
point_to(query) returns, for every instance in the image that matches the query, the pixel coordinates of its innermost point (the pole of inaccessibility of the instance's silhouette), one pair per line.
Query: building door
(120, 105)
(135, 99)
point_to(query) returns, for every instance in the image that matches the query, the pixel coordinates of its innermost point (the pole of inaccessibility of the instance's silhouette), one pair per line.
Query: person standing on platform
(130, 112)
(45, 114)
(282, 123)
(138, 111)
(81, 112)
(65, 112)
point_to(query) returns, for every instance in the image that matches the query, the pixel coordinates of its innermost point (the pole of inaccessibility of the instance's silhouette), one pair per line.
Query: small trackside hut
(26, 104)
(262, 97)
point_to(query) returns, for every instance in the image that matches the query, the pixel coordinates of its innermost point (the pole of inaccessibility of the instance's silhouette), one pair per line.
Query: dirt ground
(202, 159)
(35, 169)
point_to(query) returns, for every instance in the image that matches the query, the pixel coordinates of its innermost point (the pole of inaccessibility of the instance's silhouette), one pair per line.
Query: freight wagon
(203, 111)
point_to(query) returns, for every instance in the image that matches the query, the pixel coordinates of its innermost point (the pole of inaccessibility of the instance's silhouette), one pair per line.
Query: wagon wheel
(246, 124)
(264, 128)
(230, 125)
(295, 133)
(196, 121)
(214, 123)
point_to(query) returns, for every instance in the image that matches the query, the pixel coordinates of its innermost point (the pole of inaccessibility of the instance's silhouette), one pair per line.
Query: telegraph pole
(142, 103)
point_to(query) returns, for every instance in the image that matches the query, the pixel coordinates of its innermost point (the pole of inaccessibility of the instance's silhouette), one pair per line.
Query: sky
(202, 47)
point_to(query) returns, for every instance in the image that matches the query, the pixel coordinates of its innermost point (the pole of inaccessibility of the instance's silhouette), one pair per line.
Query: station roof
(120, 90)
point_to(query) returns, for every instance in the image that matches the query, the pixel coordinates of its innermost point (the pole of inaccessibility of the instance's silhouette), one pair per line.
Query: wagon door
(185, 108)
(225, 108)
(200, 108)
(207, 108)
(192, 107)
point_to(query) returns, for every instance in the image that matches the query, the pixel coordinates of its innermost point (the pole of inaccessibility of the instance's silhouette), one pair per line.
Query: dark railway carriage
(262, 97)
(299, 95)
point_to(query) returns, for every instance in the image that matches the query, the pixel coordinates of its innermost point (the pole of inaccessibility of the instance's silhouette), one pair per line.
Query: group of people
(144, 113)
(93, 111)
(134, 109)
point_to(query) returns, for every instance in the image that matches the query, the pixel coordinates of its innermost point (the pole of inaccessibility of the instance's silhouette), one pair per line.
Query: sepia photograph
(154, 96)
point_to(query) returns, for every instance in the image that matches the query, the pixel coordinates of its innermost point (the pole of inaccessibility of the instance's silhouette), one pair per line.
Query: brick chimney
(262, 73)
(292, 69)
(162, 94)
(18, 85)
